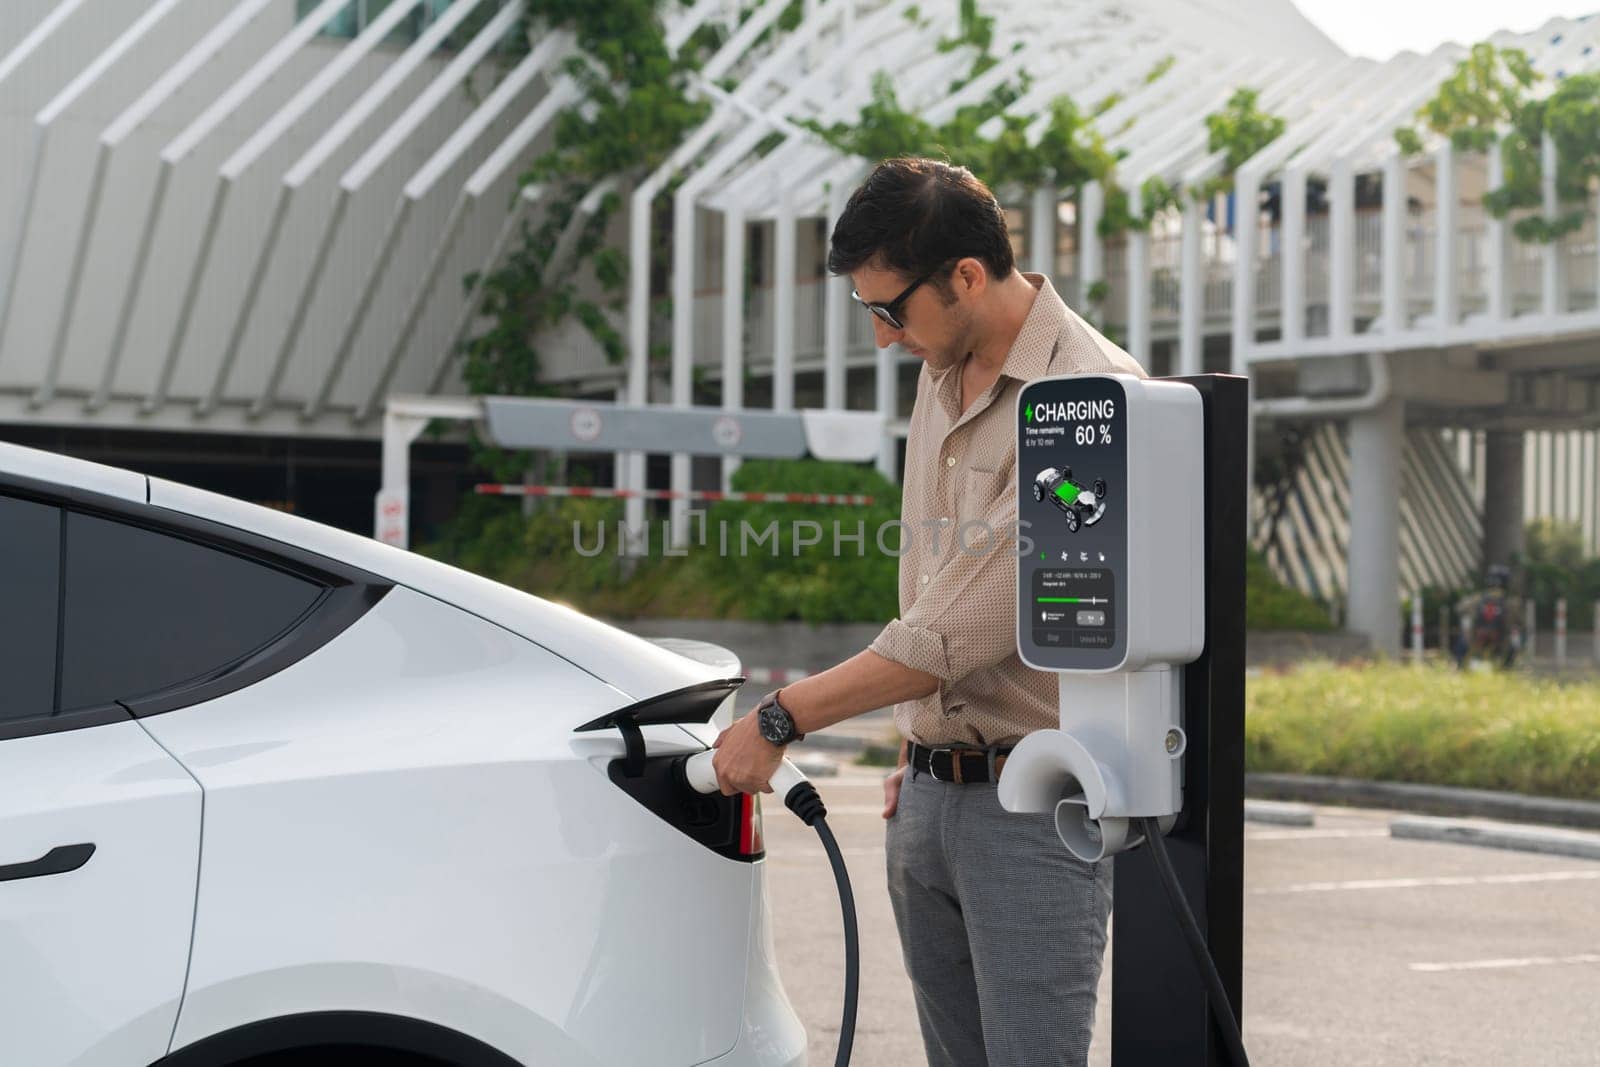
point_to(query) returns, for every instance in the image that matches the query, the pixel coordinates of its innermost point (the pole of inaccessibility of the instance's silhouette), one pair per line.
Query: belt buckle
(932, 752)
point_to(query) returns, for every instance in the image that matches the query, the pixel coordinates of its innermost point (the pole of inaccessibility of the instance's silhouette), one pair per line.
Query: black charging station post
(1159, 1009)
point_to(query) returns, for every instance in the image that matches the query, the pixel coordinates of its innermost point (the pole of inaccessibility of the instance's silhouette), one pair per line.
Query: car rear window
(148, 611)
(30, 601)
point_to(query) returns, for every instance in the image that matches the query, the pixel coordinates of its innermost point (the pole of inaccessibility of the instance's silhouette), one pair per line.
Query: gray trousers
(1003, 931)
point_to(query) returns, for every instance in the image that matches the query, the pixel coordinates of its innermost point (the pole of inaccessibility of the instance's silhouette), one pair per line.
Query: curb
(1519, 839)
(1426, 799)
(1276, 813)
(1439, 800)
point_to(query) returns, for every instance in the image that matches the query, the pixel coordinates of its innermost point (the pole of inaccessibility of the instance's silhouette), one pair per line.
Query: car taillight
(751, 843)
(728, 826)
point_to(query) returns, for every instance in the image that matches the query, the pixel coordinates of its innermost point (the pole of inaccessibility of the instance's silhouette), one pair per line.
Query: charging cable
(800, 796)
(1227, 1025)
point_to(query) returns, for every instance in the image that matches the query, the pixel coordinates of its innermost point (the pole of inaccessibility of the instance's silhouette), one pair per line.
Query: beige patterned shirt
(958, 596)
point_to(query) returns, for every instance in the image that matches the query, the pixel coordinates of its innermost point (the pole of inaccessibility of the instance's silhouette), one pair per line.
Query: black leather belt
(961, 766)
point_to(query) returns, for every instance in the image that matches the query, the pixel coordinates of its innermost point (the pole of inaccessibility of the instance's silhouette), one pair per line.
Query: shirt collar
(1035, 343)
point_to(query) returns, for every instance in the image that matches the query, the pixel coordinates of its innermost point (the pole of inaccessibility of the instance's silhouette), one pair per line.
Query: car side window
(30, 599)
(147, 611)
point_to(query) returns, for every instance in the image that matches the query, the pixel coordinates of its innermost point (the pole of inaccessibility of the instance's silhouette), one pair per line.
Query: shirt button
(924, 579)
(944, 522)
(950, 461)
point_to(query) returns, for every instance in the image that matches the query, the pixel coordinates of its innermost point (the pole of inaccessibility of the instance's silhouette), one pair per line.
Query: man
(1003, 931)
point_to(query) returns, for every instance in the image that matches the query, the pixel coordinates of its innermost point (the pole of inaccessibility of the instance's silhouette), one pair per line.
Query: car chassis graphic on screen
(1082, 506)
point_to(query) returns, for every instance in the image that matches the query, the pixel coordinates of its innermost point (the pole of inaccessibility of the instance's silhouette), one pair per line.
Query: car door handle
(59, 860)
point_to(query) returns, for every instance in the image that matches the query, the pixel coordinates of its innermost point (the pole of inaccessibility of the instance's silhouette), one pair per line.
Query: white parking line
(1309, 835)
(1432, 883)
(1524, 961)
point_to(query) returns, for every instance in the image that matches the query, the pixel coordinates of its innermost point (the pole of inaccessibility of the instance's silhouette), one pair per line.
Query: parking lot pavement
(1359, 949)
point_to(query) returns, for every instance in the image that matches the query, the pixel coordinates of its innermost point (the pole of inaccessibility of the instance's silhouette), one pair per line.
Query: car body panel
(77, 473)
(92, 960)
(404, 822)
(636, 667)
(770, 1034)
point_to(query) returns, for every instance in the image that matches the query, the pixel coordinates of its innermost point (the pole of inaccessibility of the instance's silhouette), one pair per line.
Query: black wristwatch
(775, 722)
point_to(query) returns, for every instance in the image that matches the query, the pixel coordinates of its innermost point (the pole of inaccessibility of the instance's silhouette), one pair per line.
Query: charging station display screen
(1072, 464)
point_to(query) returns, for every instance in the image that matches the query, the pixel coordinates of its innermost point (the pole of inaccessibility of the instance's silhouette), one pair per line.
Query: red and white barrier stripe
(774, 675)
(494, 489)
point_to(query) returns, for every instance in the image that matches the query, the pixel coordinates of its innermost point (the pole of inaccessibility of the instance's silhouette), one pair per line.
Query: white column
(1138, 267)
(1247, 209)
(1446, 222)
(888, 404)
(1341, 249)
(732, 324)
(1245, 213)
(632, 477)
(836, 305)
(1377, 439)
(685, 229)
(1499, 302)
(1191, 291)
(783, 286)
(1396, 317)
(1555, 283)
(619, 460)
(1091, 248)
(1042, 232)
(1292, 257)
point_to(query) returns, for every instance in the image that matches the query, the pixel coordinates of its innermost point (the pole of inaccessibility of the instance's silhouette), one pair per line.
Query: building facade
(246, 223)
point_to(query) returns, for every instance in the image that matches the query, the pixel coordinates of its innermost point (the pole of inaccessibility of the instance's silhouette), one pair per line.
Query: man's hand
(745, 761)
(891, 791)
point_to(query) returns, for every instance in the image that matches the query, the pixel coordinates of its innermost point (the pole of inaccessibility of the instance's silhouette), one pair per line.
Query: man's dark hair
(914, 216)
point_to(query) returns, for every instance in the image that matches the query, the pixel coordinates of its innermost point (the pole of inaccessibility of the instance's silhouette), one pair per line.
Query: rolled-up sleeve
(965, 617)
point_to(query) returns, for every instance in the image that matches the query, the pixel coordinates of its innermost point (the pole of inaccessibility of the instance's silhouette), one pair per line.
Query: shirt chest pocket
(980, 490)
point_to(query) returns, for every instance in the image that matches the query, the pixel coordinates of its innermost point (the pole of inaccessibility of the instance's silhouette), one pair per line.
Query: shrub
(1435, 725)
(1271, 605)
(776, 580)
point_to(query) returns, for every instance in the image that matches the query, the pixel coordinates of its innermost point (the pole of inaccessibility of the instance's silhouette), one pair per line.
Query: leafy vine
(1486, 103)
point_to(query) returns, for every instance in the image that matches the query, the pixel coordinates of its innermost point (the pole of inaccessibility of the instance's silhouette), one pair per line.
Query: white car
(272, 789)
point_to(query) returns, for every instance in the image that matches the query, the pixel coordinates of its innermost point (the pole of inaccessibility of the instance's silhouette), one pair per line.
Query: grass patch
(1433, 725)
(1430, 725)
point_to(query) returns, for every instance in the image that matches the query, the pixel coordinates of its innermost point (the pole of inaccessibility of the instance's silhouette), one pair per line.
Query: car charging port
(728, 826)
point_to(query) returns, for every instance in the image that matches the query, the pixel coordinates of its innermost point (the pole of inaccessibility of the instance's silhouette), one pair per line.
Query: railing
(759, 336)
(1524, 283)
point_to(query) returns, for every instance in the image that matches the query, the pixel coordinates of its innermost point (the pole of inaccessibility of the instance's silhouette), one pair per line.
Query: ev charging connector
(697, 772)
(1111, 597)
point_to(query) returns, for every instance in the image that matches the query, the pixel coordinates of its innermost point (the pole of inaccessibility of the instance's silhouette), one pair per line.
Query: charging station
(1134, 494)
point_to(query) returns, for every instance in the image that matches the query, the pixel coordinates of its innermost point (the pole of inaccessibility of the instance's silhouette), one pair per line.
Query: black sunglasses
(890, 312)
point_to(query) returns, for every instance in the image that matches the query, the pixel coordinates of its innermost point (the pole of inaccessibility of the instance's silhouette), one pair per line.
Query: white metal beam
(42, 122)
(565, 92)
(376, 155)
(248, 154)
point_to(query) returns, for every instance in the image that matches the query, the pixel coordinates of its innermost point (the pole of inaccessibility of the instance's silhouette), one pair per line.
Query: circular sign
(726, 431)
(586, 424)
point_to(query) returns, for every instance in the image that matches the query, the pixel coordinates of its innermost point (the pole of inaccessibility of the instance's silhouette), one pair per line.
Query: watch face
(774, 724)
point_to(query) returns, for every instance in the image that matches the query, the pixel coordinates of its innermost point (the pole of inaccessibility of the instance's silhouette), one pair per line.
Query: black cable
(1221, 1011)
(804, 802)
(852, 945)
